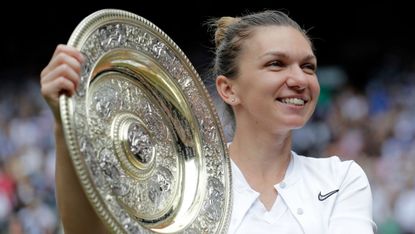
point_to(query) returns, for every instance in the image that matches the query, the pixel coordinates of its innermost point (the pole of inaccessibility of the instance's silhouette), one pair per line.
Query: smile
(293, 101)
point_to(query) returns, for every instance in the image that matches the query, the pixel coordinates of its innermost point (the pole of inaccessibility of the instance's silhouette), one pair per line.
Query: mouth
(293, 101)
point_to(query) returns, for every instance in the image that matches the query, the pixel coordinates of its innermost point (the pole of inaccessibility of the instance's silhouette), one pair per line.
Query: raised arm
(62, 75)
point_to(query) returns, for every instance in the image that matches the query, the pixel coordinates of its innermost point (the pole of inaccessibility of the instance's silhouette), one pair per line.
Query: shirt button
(300, 211)
(283, 185)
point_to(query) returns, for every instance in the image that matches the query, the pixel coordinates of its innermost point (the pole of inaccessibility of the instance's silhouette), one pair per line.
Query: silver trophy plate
(142, 131)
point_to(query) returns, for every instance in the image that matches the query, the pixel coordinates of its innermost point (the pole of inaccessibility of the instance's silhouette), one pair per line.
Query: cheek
(259, 85)
(256, 92)
(252, 97)
(315, 87)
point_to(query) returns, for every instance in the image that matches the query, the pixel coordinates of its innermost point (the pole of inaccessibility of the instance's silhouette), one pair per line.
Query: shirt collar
(239, 182)
(293, 171)
(291, 176)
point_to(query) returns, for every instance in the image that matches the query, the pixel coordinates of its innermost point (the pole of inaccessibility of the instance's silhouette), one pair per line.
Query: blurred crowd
(373, 125)
(27, 160)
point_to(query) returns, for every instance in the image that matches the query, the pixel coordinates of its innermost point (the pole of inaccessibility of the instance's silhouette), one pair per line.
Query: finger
(62, 54)
(59, 59)
(72, 51)
(62, 71)
(52, 90)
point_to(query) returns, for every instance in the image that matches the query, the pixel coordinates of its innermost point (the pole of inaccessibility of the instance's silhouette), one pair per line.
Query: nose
(297, 78)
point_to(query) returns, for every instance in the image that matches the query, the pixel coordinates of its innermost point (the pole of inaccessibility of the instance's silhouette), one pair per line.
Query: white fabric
(258, 219)
(298, 209)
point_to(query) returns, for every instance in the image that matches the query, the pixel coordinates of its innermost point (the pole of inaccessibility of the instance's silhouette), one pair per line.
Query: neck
(260, 154)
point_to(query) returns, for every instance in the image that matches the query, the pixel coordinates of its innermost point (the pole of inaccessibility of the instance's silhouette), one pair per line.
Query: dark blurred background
(365, 112)
(358, 37)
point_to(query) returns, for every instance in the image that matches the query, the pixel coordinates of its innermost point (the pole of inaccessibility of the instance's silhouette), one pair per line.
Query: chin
(295, 122)
(297, 127)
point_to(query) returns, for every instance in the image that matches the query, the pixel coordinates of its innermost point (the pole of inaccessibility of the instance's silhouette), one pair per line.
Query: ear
(226, 89)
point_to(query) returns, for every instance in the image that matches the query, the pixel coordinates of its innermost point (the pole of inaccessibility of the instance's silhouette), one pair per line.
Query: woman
(265, 71)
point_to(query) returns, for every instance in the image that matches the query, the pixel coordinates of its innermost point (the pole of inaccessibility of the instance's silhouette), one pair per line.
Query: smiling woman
(265, 71)
(276, 83)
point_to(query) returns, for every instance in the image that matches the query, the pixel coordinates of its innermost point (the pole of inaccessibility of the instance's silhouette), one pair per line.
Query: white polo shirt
(308, 201)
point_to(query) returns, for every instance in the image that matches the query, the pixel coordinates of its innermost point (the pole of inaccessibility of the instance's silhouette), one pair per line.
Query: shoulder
(331, 168)
(344, 194)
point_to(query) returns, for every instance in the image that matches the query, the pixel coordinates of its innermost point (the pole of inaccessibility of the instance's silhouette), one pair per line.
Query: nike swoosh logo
(327, 195)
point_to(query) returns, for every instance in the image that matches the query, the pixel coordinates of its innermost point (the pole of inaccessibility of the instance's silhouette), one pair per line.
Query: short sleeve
(352, 212)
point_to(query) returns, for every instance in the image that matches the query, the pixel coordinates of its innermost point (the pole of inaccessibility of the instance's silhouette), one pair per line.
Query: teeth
(293, 101)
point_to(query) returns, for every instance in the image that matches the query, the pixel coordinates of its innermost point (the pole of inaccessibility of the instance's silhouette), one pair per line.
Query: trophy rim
(69, 105)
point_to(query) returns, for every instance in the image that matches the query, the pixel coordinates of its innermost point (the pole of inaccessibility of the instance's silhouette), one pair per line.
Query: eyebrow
(285, 56)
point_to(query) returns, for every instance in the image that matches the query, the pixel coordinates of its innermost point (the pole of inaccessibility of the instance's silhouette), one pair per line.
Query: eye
(275, 63)
(309, 68)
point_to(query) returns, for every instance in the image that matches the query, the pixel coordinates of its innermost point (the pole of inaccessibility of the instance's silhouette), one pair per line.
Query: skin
(62, 75)
(276, 64)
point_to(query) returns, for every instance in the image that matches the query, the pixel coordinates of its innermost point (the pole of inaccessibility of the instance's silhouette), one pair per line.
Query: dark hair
(230, 34)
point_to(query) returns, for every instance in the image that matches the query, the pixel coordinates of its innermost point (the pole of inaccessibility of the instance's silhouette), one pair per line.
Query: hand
(61, 76)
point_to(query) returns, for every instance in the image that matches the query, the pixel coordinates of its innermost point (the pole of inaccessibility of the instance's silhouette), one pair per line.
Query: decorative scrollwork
(142, 131)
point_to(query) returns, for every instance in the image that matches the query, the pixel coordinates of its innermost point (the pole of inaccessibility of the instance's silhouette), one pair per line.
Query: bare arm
(61, 75)
(76, 212)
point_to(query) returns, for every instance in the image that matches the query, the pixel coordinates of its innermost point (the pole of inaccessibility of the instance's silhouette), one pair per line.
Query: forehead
(284, 39)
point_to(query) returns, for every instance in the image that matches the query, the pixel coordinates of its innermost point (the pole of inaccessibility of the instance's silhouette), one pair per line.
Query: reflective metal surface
(142, 131)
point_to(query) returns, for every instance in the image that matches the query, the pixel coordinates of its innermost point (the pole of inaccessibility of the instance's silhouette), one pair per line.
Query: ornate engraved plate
(142, 131)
